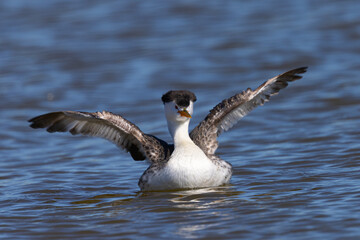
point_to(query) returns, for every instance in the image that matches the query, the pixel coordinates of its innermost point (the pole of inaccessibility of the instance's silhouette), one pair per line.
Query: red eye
(177, 107)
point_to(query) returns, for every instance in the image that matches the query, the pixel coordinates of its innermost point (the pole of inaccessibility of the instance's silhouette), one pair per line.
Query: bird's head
(178, 105)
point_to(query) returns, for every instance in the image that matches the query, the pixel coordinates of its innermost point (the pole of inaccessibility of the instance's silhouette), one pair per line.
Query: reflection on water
(296, 160)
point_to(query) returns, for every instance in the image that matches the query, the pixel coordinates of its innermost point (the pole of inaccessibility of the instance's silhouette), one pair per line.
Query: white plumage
(188, 165)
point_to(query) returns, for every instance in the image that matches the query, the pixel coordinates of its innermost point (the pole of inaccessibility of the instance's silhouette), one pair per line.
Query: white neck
(180, 132)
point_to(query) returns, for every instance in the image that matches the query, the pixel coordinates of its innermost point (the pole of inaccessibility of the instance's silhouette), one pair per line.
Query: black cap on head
(182, 98)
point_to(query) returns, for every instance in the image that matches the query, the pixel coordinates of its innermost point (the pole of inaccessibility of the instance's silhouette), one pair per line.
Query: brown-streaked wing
(106, 125)
(228, 112)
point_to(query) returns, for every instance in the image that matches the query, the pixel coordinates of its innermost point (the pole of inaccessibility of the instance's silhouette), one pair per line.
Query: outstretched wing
(109, 126)
(227, 113)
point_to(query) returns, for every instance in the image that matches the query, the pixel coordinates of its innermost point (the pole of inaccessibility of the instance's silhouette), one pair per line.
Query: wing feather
(106, 125)
(228, 112)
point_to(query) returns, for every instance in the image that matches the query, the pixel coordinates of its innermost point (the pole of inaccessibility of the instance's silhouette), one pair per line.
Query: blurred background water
(296, 160)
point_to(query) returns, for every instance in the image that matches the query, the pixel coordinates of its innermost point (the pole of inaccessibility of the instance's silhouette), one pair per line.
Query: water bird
(190, 162)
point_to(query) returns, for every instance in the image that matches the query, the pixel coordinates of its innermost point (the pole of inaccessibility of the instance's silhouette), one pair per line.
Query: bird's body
(187, 167)
(191, 161)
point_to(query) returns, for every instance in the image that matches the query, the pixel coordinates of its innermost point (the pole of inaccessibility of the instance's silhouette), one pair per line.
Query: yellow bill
(184, 113)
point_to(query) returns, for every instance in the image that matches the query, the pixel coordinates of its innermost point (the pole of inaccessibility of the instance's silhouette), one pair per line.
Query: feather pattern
(228, 112)
(106, 125)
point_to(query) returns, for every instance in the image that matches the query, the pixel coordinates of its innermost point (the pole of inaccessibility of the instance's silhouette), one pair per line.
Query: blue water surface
(296, 159)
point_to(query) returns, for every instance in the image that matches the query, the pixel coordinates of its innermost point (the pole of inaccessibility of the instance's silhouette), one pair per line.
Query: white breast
(188, 167)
